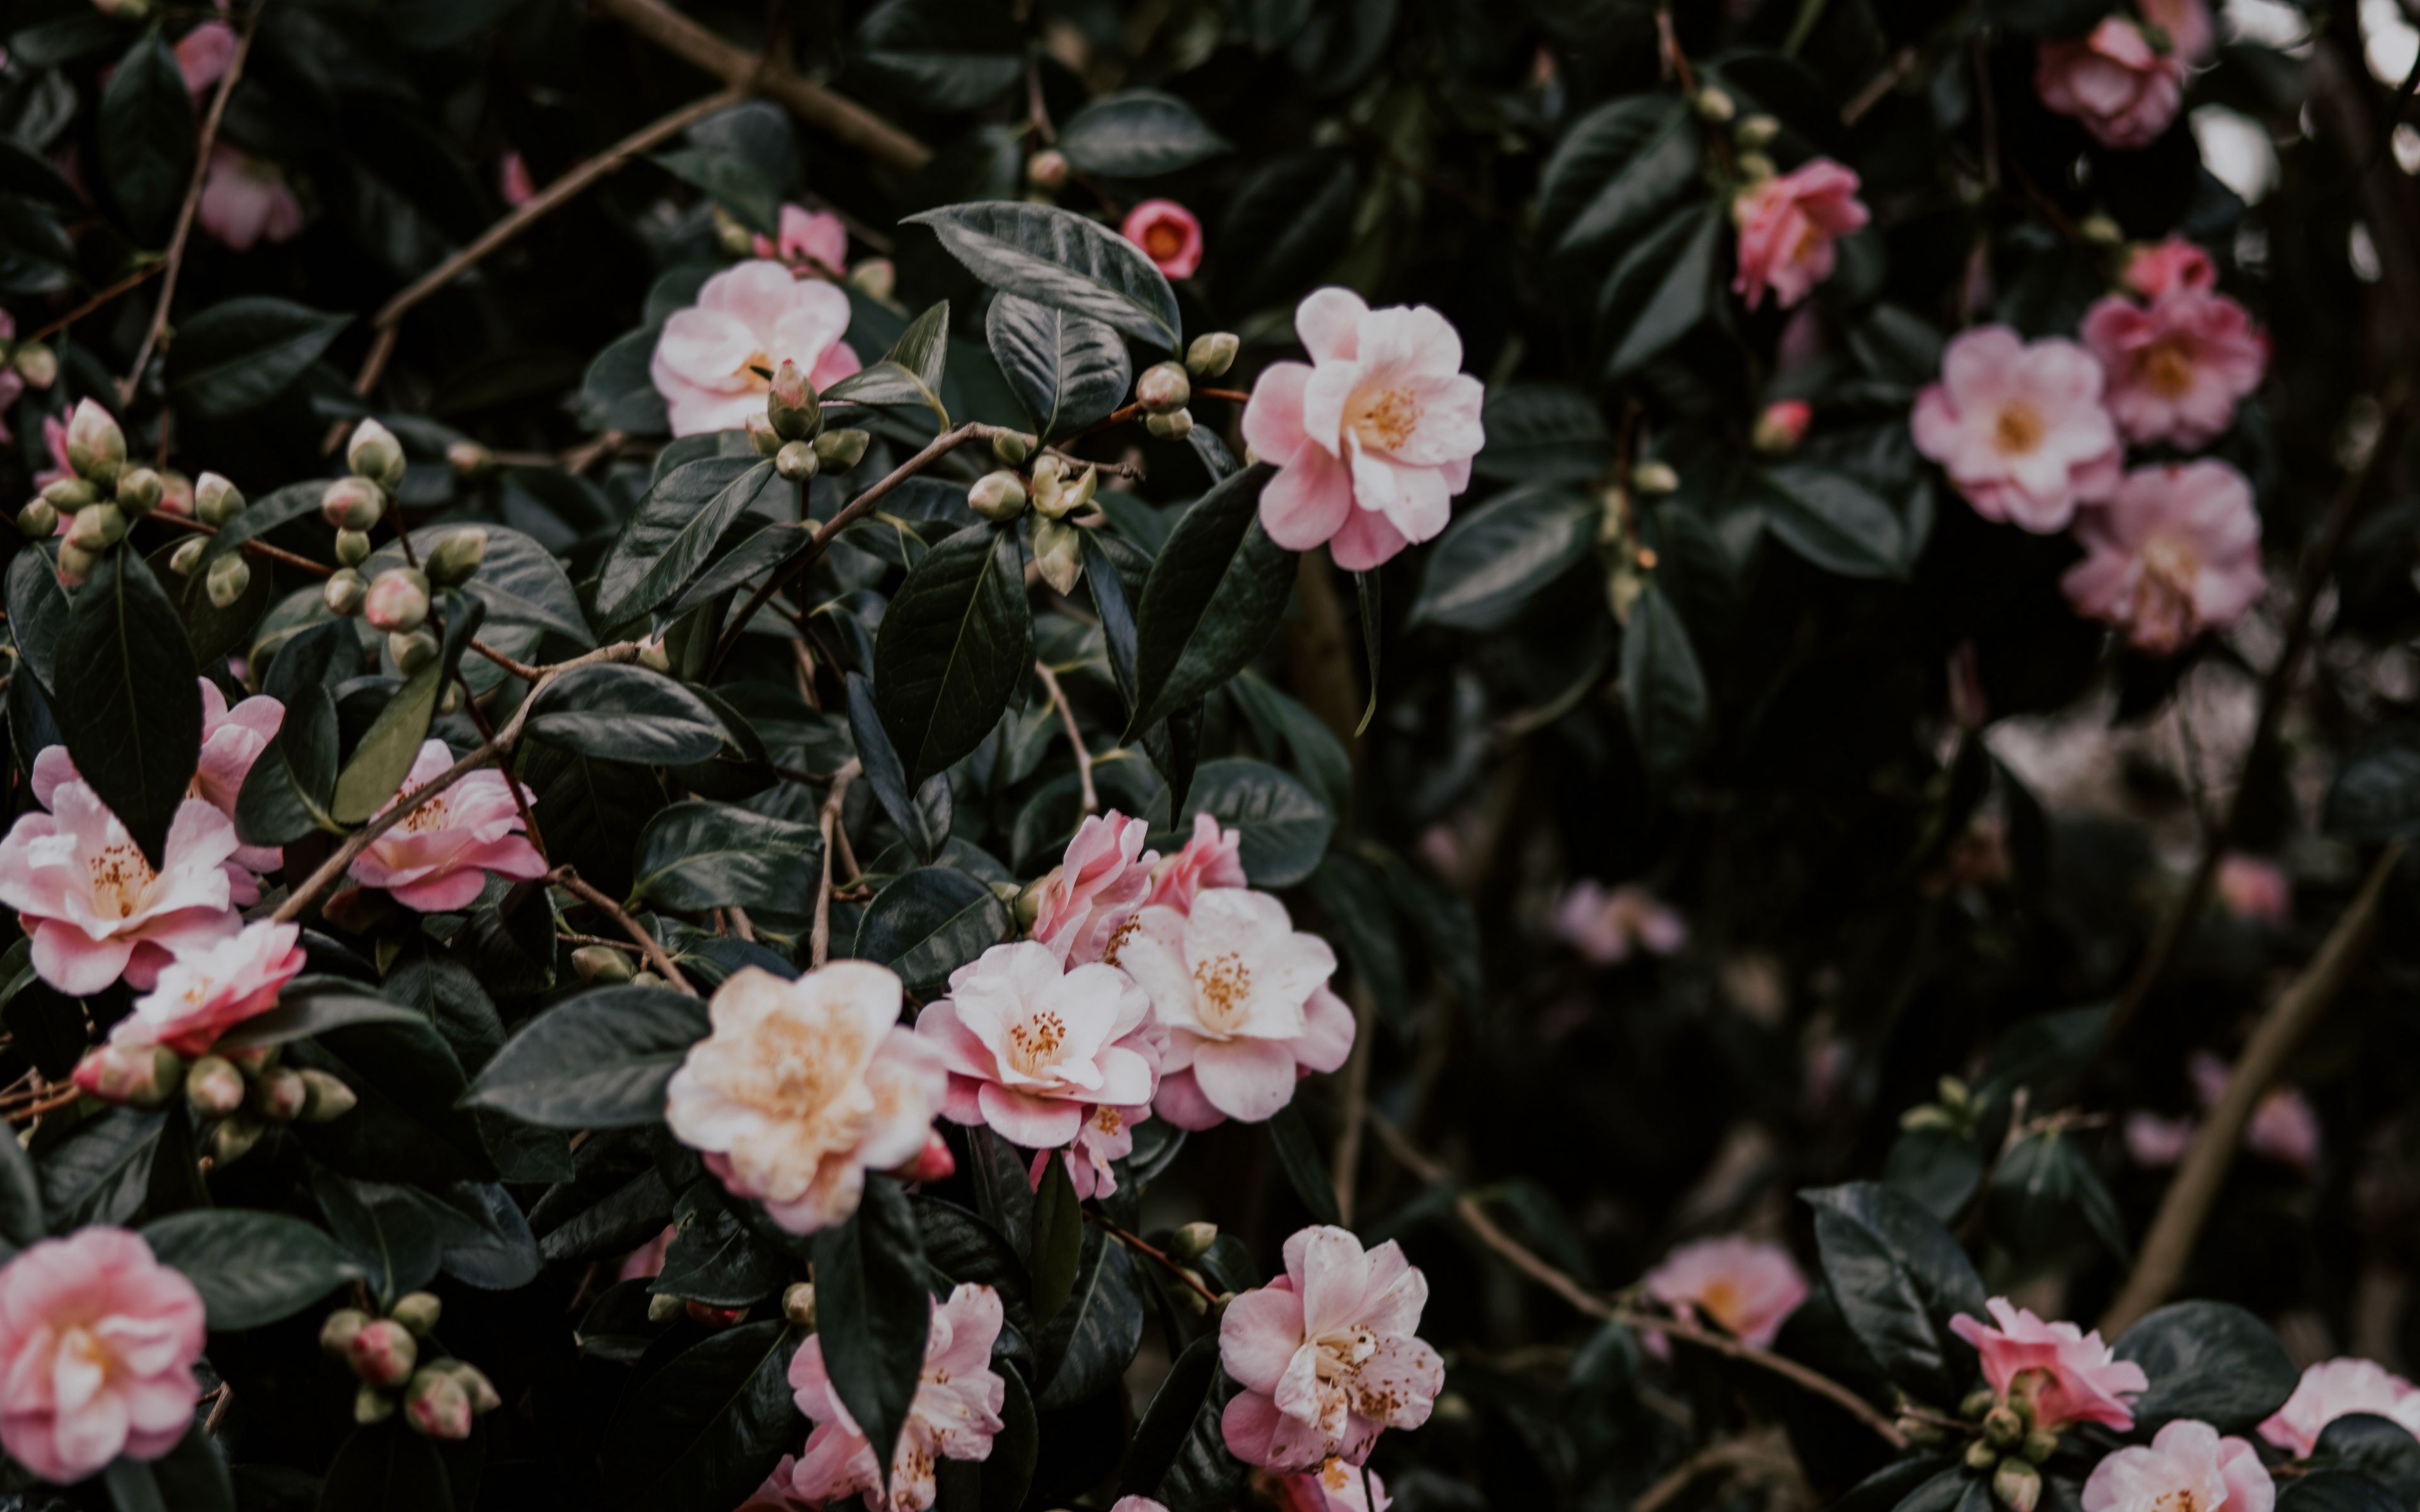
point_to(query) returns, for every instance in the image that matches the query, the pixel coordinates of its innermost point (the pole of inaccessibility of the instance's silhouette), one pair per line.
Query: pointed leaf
(1061, 259)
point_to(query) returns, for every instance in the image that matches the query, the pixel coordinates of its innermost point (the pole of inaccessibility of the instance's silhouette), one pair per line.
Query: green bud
(1173, 426)
(95, 445)
(70, 494)
(1917, 1430)
(230, 576)
(75, 562)
(1011, 447)
(1981, 1456)
(1211, 355)
(1654, 477)
(344, 592)
(1713, 105)
(336, 1333)
(2039, 1445)
(352, 503)
(326, 1099)
(277, 1094)
(602, 964)
(1163, 389)
(2017, 1485)
(652, 656)
(2003, 1428)
(36, 363)
(234, 1138)
(796, 461)
(1976, 1403)
(841, 450)
(1757, 131)
(664, 1308)
(1756, 167)
(215, 499)
(398, 601)
(790, 405)
(213, 1086)
(457, 559)
(140, 490)
(1047, 170)
(762, 436)
(37, 520)
(97, 527)
(997, 496)
(417, 1311)
(371, 1405)
(352, 548)
(1058, 553)
(1193, 1241)
(187, 556)
(411, 650)
(874, 277)
(376, 454)
(469, 460)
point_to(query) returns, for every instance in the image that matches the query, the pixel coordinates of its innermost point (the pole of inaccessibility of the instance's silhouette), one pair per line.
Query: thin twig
(1151, 1252)
(225, 1397)
(140, 275)
(521, 795)
(834, 837)
(1347, 1164)
(1075, 737)
(570, 881)
(1878, 87)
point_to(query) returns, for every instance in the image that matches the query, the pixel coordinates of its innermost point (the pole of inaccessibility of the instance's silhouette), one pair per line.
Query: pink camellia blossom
(1327, 1356)
(1334, 1487)
(2020, 427)
(1137, 1503)
(2333, 1389)
(715, 361)
(2187, 1464)
(1214, 858)
(2255, 888)
(1033, 1048)
(245, 199)
(232, 740)
(12, 386)
(203, 993)
(2123, 89)
(1108, 1135)
(1372, 438)
(94, 906)
(1094, 889)
(2176, 369)
(1787, 225)
(97, 1341)
(203, 56)
(513, 181)
(803, 1086)
(2156, 1142)
(2081, 1379)
(1244, 1000)
(2284, 1126)
(1168, 235)
(440, 858)
(954, 1415)
(2191, 36)
(2176, 553)
(1749, 1287)
(646, 1262)
(54, 440)
(2155, 269)
(1607, 924)
(816, 238)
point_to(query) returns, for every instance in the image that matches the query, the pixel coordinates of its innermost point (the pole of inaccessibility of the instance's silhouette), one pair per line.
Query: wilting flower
(2079, 1379)
(2177, 368)
(2186, 1465)
(1244, 1000)
(2020, 427)
(815, 237)
(1168, 235)
(92, 902)
(802, 1086)
(954, 1415)
(245, 199)
(232, 740)
(1106, 1135)
(1371, 438)
(1095, 889)
(204, 993)
(2176, 553)
(1031, 1049)
(715, 361)
(1326, 1354)
(1749, 1287)
(1607, 924)
(2125, 90)
(97, 1341)
(1787, 225)
(2254, 888)
(1214, 858)
(439, 859)
(2330, 1390)
(2157, 268)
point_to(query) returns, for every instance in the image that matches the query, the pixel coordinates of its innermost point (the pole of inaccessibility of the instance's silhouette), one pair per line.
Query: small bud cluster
(1163, 390)
(2007, 1446)
(1054, 488)
(791, 431)
(103, 496)
(439, 1398)
(245, 1092)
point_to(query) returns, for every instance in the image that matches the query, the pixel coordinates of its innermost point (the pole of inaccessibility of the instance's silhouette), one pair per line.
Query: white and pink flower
(2175, 368)
(2020, 427)
(440, 858)
(715, 361)
(2333, 1389)
(2176, 553)
(92, 902)
(2076, 1378)
(1214, 858)
(1787, 226)
(1168, 235)
(246, 199)
(232, 740)
(205, 993)
(1031, 1049)
(97, 1341)
(954, 1415)
(1107, 1135)
(1095, 889)
(2125, 90)
(815, 238)
(1747, 1286)
(1334, 1487)
(1607, 925)
(2187, 1464)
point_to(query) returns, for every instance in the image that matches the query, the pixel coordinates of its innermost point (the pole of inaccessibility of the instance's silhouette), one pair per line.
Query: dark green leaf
(2206, 1360)
(1832, 520)
(703, 1431)
(699, 855)
(2338, 1491)
(1088, 1346)
(940, 56)
(1058, 259)
(146, 137)
(625, 714)
(1168, 1427)
(1001, 1477)
(387, 1468)
(2379, 1447)
(1660, 290)
(1542, 433)
(1492, 561)
(955, 644)
(37, 612)
(192, 1477)
(1662, 687)
(236, 356)
(314, 1005)
(2045, 1190)
(1138, 133)
(1898, 1278)
(1058, 1238)
(20, 1200)
(1068, 371)
(1305, 1170)
(597, 1061)
(673, 534)
(929, 923)
(1938, 1167)
(292, 790)
(716, 1257)
(383, 757)
(392, 1239)
(1002, 1193)
(134, 725)
(1285, 826)
(406, 1126)
(251, 1268)
(1212, 599)
(100, 1172)
(1617, 166)
(1290, 218)
(872, 1311)
(909, 373)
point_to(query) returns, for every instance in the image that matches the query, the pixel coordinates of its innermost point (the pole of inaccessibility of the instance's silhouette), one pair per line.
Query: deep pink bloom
(2187, 1464)
(1031, 1048)
(1214, 858)
(513, 181)
(245, 199)
(1747, 1286)
(2176, 553)
(1373, 437)
(1168, 235)
(2177, 368)
(2155, 269)
(439, 859)
(2082, 1382)
(232, 740)
(95, 907)
(97, 1341)
(203, 56)
(1787, 225)
(1094, 889)
(2254, 888)
(1605, 925)
(954, 1416)
(2333, 1388)
(204, 993)
(749, 317)
(2191, 36)
(2021, 428)
(2122, 89)
(813, 236)
(1326, 1354)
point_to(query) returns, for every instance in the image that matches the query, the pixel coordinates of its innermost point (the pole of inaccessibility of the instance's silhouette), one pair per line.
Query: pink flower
(2083, 1381)
(954, 1415)
(513, 181)
(1607, 925)
(205, 992)
(96, 909)
(1108, 1135)
(1749, 1288)
(1244, 1000)
(232, 740)
(1326, 1355)
(803, 1086)
(646, 1262)
(2155, 269)
(97, 1341)
(12, 384)
(1334, 1487)
(715, 360)
(2124, 91)
(1094, 891)
(2330, 1390)
(1787, 225)
(1168, 235)
(2176, 553)
(1373, 437)
(203, 56)
(438, 859)
(2191, 36)
(2155, 1142)
(2284, 1127)
(54, 440)
(2185, 1465)
(2251, 886)
(816, 238)
(1212, 858)
(245, 199)
(1031, 1049)
(2020, 427)
(2176, 369)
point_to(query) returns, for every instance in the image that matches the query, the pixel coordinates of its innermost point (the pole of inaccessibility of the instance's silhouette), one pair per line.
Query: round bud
(798, 1303)
(469, 460)
(70, 494)
(398, 601)
(1047, 170)
(1193, 1241)
(140, 490)
(97, 527)
(436, 1405)
(411, 649)
(1713, 105)
(790, 404)
(2100, 230)
(795, 461)
(352, 548)
(37, 520)
(1173, 426)
(2039, 1445)
(1781, 426)
(75, 562)
(603, 964)
(253, 1061)
(371, 1405)
(1917, 1430)
(1757, 131)
(327, 1099)
(841, 450)
(352, 503)
(176, 492)
(141, 1076)
(1654, 477)
(36, 363)
(1058, 553)
(278, 1094)
(336, 1333)
(95, 445)
(474, 1381)
(652, 656)
(417, 1311)
(2003, 1428)
(383, 1353)
(762, 436)
(646, 979)
(215, 499)
(1977, 1403)
(213, 1088)
(2017, 1485)
(450, 702)
(1213, 354)
(234, 1138)
(1981, 1456)
(1011, 447)
(456, 561)
(1163, 388)
(344, 594)
(664, 1309)
(188, 556)
(997, 496)
(230, 577)
(376, 454)
(875, 278)
(1756, 167)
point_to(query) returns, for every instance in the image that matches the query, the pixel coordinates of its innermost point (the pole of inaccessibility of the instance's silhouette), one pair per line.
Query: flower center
(799, 1069)
(1108, 1120)
(1033, 1044)
(1721, 1300)
(1162, 240)
(2163, 616)
(2020, 428)
(1224, 984)
(2180, 1500)
(755, 368)
(429, 816)
(1811, 242)
(120, 877)
(2168, 368)
(1387, 420)
(1342, 1351)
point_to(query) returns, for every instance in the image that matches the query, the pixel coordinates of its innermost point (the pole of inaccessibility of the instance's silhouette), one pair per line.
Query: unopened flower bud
(70, 494)
(1211, 355)
(1012, 447)
(1713, 105)
(436, 1405)
(841, 450)
(706, 1315)
(398, 601)
(97, 527)
(1061, 495)
(95, 445)
(278, 1095)
(652, 656)
(327, 1099)
(141, 1076)
(37, 520)
(735, 240)
(875, 278)
(457, 557)
(230, 577)
(798, 1303)
(646, 979)
(2100, 230)
(1757, 131)
(1173, 426)
(2017, 1485)
(2003, 1428)
(344, 594)
(795, 461)
(1047, 170)
(601, 963)
(187, 556)
(790, 404)
(1058, 553)
(2039, 1445)
(1782, 426)
(1917, 1430)
(234, 1138)
(1163, 388)
(411, 649)
(336, 1333)
(1193, 1241)
(1981, 1456)
(176, 492)
(1977, 1403)
(75, 562)
(761, 435)
(1756, 167)
(383, 1353)
(417, 1311)
(213, 1088)
(352, 548)
(352, 503)
(215, 499)
(371, 1405)
(255, 1060)
(469, 460)
(376, 454)
(36, 363)
(140, 490)
(1654, 477)
(997, 496)
(476, 1382)
(934, 1162)
(664, 1309)
(1029, 901)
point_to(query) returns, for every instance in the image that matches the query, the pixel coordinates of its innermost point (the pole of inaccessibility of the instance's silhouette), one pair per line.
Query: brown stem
(1151, 1253)
(512, 784)
(569, 880)
(834, 837)
(140, 275)
(1346, 1163)
(1075, 737)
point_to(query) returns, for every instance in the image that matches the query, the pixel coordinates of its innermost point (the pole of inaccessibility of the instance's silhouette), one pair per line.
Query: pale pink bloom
(1749, 1288)
(803, 1086)
(232, 740)
(775, 1495)
(1031, 1048)
(2191, 36)
(2176, 553)
(2122, 89)
(1326, 1354)
(1093, 893)
(2186, 1465)
(1168, 235)
(1372, 438)
(1214, 858)
(1787, 225)
(439, 859)
(954, 1415)
(97, 1341)
(95, 907)
(2021, 428)
(1108, 1135)
(245, 199)
(2334, 1389)
(1335, 1486)
(203, 56)
(204, 993)
(2254, 888)
(2154, 269)
(646, 1262)
(715, 361)
(512, 179)
(2176, 369)
(2284, 1128)
(1244, 1000)
(1137, 1503)
(2156, 1142)
(813, 236)
(1605, 925)
(2083, 1381)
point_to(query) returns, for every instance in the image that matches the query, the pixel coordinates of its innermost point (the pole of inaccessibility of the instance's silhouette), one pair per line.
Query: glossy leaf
(909, 373)
(2206, 1360)
(930, 922)
(383, 757)
(598, 1061)
(1138, 133)
(251, 1268)
(673, 531)
(1061, 259)
(1493, 560)
(1543, 433)
(1898, 1278)
(706, 1429)
(1068, 370)
(1285, 826)
(1663, 688)
(146, 137)
(1660, 290)
(955, 645)
(700, 855)
(234, 357)
(625, 714)
(1214, 597)
(1832, 520)
(1087, 1347)
(872, 1311)
(135, 721)
(1615, 168)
